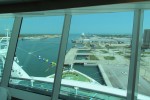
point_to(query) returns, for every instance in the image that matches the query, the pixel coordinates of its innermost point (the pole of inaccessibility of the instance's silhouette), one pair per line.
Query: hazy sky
(120, 22)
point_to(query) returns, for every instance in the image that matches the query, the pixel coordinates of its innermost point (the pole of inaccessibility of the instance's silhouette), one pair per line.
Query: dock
(70, 57)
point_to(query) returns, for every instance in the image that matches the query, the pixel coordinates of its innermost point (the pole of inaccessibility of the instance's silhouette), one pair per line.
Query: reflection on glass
(5, 33)
(76, 93)
(144, 75)
(98, 56)
(36, 53)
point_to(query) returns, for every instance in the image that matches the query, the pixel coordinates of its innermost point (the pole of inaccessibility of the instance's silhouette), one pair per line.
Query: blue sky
(120, 22)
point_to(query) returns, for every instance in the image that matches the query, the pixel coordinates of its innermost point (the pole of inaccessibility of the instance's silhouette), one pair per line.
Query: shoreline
(39, 37)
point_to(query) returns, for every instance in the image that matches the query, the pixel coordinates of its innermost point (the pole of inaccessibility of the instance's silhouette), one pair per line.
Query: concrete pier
(106, 79)
(69, 58)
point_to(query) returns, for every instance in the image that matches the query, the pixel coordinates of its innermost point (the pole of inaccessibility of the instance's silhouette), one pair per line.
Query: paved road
(117, 72)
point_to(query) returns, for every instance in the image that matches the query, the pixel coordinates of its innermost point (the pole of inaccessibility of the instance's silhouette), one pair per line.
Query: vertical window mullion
(132, 89)
(61, 57)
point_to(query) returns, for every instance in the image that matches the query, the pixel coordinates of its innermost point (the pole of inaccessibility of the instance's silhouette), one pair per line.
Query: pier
(72, 53)
(69, 59)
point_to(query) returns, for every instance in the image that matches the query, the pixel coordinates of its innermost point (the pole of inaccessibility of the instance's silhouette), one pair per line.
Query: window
(144, 75)
(95, 64)
(6, 24)
(36, 54)
(98, 56)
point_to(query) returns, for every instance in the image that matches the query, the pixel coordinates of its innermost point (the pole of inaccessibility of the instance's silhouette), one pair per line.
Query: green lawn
(127, 56)
(113, 47)
(92, 57)
(119, 52)
(146, 53)
(104, 51)
(75, 76)
(109, 57)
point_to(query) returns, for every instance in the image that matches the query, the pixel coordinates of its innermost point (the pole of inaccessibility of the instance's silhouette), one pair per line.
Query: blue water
(28, 52)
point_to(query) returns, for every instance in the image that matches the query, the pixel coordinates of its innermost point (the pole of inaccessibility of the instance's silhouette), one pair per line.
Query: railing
(4, 41)
(66, 89)
(71, 90)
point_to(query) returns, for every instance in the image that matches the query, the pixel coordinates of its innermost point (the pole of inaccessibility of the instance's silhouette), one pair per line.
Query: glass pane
(144, 75)
(6, 25)
(36, 54)
(98, 56)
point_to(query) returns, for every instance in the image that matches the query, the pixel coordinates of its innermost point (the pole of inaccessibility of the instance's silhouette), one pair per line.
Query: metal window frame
(61, 57)
(11, 51)
(134, 62)
(133, 79)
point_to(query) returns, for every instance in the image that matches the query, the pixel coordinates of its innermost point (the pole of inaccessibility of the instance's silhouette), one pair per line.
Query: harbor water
(36, 55)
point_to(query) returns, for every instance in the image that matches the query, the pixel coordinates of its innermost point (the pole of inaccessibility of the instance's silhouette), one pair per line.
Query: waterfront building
(146, 39)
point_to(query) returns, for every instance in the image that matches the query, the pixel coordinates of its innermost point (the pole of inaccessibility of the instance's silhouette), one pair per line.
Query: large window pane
(36, 53)
(6, 25)
(98, 56)
(144, 75)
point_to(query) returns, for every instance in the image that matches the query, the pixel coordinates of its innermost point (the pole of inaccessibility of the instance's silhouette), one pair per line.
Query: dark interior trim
(54, 4)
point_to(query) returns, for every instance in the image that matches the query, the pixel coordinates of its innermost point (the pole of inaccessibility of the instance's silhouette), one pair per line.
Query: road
(117, 72)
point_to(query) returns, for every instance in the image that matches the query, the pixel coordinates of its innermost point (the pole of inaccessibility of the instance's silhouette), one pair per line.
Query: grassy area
(109, 57)
(119, 52)
(83, 51)
(127, 46)
(104, 51)
(92, 57)
(99, 47)
(127, 51)
(146, 53)
(127, 56)
(113, 47)
(142, 55)
(75, 76)
(87, 44)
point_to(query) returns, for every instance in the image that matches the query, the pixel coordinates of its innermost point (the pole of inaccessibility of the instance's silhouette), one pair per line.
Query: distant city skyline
(119, 22)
